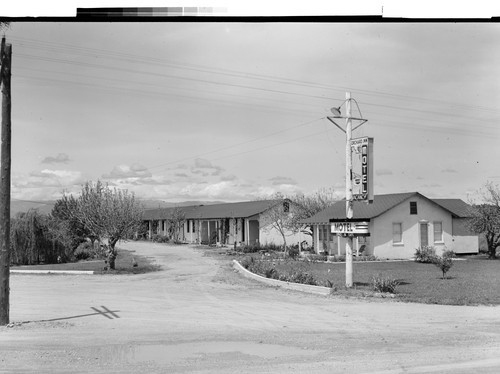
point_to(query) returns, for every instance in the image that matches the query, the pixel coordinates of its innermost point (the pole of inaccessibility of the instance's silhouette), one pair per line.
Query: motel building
(241, 223)
(394, 226)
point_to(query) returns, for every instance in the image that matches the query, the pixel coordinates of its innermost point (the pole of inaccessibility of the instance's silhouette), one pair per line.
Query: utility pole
(349, 197)
(5, 155)
(348, 191)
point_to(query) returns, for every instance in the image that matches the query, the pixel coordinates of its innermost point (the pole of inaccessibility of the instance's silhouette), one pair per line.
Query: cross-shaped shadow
(105, 312)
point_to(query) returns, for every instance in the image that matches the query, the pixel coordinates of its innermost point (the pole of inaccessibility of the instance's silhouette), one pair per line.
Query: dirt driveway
(198, 316)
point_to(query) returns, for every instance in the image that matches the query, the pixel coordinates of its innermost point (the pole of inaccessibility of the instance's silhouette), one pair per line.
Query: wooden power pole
(5, 163)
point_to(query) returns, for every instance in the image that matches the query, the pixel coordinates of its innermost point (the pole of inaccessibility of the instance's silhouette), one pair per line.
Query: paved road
(198, 316)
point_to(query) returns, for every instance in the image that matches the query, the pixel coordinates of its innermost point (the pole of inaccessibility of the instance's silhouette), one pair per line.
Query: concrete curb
(318, 290)
(70, 272)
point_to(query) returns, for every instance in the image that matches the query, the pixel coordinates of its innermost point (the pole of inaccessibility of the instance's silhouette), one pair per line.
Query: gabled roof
(457, 207)
(227, 210)
(381, 204)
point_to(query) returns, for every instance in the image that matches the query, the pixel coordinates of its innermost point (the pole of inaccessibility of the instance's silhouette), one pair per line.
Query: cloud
(205, 168)
(61, 158)
(227, 178)
(449, 170)
(282, 180)
(46, 184)
(383, 172)
(126, 171)
(181, 175)
(432, 185)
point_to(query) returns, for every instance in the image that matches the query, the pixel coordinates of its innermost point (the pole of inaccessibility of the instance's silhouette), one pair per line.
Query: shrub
(448, 254)
(315, 257)
(382, 283)
(339, 258)
(445, 262)
(84, 251)
(366, 258)
(247, 261)
(159, 238)
(292, 271)
(426, 254)
(253, 248)
(293, 251)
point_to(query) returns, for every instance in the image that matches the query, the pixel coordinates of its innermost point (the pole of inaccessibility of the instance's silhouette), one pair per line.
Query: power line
(91, 52)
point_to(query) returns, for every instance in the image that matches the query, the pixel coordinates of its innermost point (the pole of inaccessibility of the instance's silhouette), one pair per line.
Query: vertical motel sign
(362, 169)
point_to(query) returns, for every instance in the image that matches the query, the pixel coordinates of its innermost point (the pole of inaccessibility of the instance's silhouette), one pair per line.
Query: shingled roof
(380, 205)
(216, 211)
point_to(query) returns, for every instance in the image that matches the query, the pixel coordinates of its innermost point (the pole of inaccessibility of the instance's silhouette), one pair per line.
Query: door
(424, 235)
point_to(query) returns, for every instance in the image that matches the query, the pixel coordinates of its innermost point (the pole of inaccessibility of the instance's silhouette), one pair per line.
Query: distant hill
(45, 207)
(18, 206)
(155, 204)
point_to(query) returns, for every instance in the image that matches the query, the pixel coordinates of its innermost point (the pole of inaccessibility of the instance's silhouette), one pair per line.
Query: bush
(159, 238)
(315, 257)
(293, 271)
(84, 251)
(293, 252)
(449, 254)
(445, 262)
(381, 283)
(252, 248)
(35, 238)
(425, 255)
(366, 258)
(247, 261)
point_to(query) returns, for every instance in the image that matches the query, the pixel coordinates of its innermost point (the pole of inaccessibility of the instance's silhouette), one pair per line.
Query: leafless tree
(485, 217)
(308, 205)
(279, 217)
(108, 213)
(175, 223)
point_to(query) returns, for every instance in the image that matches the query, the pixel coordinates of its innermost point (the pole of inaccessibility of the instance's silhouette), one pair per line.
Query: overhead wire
(94, 52)
(90, 52)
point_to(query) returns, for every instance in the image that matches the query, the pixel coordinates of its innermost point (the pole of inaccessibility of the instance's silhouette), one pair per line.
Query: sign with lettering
(350, 227)
(362, 169)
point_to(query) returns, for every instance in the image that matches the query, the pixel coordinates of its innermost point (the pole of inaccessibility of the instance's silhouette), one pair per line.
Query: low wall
(277, 283)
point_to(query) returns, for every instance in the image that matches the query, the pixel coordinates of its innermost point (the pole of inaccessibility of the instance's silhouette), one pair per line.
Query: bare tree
(279, 217)
(108, 213)
(175, 223)
(308, 205)
(485, 217)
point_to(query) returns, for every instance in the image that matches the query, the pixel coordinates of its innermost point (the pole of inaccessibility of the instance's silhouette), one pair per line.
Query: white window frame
(440, 240)
(397, 243)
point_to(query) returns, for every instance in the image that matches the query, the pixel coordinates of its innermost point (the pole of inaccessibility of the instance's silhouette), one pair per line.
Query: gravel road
(198, 316)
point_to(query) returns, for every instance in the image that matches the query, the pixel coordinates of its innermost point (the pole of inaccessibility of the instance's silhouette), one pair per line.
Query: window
(397, 233)
(438, 232)
(194, 225)
(286, 207)
(413, 207)
(188, 226)
(320, 232)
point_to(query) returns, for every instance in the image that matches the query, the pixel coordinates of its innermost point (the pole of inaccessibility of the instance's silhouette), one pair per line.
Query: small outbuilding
(398, 225)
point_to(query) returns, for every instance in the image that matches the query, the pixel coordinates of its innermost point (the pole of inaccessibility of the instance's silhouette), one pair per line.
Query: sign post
(363, 178)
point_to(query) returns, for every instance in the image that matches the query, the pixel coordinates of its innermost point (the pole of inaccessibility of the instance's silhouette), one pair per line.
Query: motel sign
(362, 169)
(346, 227)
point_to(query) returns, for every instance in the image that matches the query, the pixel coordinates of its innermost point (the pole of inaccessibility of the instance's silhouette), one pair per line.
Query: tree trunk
(285, 249)
(492, 252)
(112, 253)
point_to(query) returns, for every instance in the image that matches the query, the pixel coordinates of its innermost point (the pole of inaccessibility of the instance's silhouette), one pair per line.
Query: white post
(348, 191)
(316, 238)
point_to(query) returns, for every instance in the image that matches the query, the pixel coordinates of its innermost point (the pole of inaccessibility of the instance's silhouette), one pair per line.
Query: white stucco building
(398, 225)
(243, 223)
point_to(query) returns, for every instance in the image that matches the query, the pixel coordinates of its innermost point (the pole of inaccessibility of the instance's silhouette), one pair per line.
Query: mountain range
(45, 207)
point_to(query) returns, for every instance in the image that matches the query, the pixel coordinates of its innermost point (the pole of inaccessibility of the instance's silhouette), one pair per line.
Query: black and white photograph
(204, 190)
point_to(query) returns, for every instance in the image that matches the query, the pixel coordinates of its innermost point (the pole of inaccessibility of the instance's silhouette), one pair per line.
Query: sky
(234, 111)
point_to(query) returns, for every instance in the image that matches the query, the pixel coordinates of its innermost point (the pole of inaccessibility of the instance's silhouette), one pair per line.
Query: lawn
(123, 265)
(469, 282)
